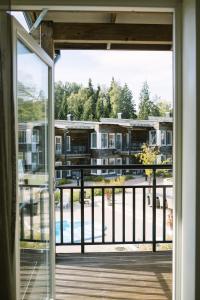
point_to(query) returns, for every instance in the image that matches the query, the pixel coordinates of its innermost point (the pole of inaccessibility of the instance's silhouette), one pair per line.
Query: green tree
(148, 156)
(146, 106)
(164, 107)
(127, 104)
(144, 102)
(76, 103)
(115, 93)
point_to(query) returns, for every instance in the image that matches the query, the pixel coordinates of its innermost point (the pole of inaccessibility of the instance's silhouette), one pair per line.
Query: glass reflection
(32, 95)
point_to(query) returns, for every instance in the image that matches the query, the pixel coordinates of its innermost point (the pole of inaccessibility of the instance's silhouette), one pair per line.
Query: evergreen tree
(127, 105)
(145, 103)
(90, 105)
(115, 93)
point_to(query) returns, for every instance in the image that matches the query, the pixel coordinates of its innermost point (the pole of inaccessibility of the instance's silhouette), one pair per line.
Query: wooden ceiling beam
(157, 33)
(103, 46)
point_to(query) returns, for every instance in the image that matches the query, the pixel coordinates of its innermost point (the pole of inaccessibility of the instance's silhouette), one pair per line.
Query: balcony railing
(90, 213)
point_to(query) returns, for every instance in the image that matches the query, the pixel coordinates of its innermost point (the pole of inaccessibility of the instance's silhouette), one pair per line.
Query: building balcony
(75, 151)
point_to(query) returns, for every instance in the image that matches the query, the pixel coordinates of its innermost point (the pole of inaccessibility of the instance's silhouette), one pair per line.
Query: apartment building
(109, 142)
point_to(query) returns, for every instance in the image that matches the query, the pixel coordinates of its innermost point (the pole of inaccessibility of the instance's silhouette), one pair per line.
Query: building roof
(64, 124)
(151, 122)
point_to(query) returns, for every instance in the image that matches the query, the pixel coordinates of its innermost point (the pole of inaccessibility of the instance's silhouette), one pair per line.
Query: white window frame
(163, 132)
(118, 159)
(23, 135)
(58, 137)
(91, 141)
(111, 137)
(68, 143)
(120, 135)
(150, 138)
(127, 139)
(58, 163)
(106, 144)
(69, 172)
(94, 163)
(170, 134)
(104, 162)
(37, 135)
(110, 171)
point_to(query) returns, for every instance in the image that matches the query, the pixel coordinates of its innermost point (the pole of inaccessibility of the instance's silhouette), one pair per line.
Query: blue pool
(77, 231)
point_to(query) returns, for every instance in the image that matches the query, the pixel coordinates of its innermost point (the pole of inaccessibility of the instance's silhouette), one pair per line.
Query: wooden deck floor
(137, 276)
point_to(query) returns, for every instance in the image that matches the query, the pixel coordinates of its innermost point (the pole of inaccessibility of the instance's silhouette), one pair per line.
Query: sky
(131, 67)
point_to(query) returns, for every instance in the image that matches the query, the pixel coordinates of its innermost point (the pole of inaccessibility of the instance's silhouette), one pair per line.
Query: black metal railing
(34, 213)
(92, 213)
(151, 197)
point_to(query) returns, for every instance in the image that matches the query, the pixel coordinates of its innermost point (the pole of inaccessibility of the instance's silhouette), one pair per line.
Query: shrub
(57, 196)
(94, 178)
(128, 177)
(64, 181)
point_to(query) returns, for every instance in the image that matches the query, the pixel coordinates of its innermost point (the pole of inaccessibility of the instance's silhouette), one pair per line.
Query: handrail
(117, 167)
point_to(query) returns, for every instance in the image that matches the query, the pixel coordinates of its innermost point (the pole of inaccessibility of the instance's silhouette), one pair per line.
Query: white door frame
(19, 33)
(145, 5)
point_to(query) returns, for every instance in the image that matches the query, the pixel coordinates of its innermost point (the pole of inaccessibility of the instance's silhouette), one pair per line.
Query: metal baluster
(22, 214)
(103, 214)
(164, 213)
(82, 214)
(154, 212)
(113, 215)
(123, 215)
(61, 216)
(31, 214)
(42, 215)
(144, 214)
(133, 215)
(72, 215)
(92, 215)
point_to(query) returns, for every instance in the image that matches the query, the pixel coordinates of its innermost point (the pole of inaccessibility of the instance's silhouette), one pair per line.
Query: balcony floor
(132, 275)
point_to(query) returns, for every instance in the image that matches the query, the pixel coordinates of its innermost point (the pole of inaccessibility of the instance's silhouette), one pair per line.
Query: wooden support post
(47, 42)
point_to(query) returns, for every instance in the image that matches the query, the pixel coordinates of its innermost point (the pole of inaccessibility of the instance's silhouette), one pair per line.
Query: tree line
(89, 103)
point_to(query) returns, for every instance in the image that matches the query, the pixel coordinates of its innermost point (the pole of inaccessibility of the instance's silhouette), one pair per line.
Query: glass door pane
(33, 173)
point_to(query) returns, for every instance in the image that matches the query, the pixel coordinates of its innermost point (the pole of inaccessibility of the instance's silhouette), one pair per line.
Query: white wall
(190, 165)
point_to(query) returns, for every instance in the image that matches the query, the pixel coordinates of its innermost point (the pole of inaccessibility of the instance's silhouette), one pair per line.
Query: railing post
(42, 221)
(82, 213)
(154, 211)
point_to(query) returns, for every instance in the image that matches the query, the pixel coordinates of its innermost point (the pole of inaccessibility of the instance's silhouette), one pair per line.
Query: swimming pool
(77, 231)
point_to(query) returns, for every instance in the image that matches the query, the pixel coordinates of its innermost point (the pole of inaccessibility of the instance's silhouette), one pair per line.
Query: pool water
(77, 231)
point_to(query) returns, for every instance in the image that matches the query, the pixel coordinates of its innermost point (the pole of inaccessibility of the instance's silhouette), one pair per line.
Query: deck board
(138, 275)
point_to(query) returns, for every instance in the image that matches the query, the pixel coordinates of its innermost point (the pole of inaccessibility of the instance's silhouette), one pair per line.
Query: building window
(104, 163)
(169, 138)
(163, 137)
(118, 141)
(111, 138)
(68, 143)
(104, 141)
(22, 136)
(58, 172)
(127, 140)
(35, 158)
(119, 162)
(111, 162)
(152, 137)
(36, 136)
(93, 140)
(58, 144)
(69, 172)
(93, 163)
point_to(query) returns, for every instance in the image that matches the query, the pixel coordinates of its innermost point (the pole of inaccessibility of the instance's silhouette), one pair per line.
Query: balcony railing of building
(76, 150)
(136, 213)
